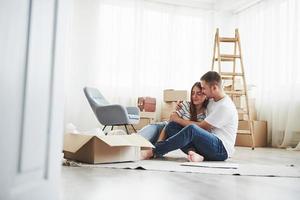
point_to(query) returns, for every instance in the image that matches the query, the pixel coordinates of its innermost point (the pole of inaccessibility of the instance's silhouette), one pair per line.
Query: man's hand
(206, 126)
(179, 105)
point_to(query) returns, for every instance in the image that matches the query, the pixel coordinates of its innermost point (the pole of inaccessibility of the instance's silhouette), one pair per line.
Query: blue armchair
(111, 114)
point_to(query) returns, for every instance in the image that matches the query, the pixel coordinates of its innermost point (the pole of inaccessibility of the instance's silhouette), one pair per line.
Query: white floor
(99, 183)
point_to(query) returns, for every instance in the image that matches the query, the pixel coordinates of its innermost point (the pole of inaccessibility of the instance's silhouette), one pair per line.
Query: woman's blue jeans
(151, 132)
(191, 137)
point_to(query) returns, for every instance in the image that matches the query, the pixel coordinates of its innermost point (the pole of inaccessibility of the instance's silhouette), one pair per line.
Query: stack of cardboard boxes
(147, 106)
(259, 127)
(171, 97)
(145, 119)
(259, 131)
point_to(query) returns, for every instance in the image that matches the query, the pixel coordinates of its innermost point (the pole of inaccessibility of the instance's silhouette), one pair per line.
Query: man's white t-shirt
(223, 116)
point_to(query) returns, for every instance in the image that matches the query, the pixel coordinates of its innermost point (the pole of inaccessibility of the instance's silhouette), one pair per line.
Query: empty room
(149, 99)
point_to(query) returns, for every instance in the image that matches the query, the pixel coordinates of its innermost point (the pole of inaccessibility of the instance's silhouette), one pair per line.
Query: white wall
(82, 22)
(225, 22)
(182, 56)
(116, 51)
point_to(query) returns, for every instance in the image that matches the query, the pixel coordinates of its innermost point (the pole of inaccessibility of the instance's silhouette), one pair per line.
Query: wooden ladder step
(227, 77)
(229, 56)
(244, 132)
(235, 93)
(231, 74)
(225, 59)
(226, 39)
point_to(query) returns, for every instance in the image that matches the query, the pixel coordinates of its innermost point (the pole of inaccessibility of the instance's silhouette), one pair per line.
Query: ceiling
(234, 6)
(230, 5)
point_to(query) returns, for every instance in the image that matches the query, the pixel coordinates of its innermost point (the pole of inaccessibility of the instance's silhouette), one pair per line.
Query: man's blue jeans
(191, 137)
(173, 128)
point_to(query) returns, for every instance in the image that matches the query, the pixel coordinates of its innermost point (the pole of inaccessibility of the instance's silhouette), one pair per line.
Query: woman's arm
(175, 117)
(203, 124)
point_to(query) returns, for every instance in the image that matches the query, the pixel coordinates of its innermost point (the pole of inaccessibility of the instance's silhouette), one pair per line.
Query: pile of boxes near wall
(259, 127)
(147, 106)
(170, 101)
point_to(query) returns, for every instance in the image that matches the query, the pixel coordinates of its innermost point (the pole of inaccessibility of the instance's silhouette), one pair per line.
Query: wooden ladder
(233, 76)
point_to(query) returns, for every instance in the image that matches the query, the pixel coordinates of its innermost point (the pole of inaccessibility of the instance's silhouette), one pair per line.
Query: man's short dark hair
(212, 78)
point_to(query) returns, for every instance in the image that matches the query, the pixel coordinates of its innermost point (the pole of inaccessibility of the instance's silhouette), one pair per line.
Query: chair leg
(104, 129)
(112, 128)
(133, 128)
(126, 129)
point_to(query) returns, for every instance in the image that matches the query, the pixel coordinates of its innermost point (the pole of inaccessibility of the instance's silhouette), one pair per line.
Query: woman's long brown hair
(193, 110)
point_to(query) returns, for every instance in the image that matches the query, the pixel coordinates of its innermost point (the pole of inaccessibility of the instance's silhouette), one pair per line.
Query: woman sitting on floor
(190, 111)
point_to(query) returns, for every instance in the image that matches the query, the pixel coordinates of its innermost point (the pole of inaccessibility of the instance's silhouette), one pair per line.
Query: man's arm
(203, 124)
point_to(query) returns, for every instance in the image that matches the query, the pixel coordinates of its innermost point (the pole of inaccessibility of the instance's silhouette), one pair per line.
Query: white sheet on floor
(226, 168)
(212, 164)
(176, 161)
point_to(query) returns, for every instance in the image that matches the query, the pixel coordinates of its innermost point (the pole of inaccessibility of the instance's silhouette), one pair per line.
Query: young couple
(203, 129)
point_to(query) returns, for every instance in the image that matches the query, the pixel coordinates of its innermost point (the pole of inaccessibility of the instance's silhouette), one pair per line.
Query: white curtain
(270, 34)
(131, 48)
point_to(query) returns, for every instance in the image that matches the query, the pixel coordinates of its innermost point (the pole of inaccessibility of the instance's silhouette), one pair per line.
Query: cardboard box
(260, 134)
(143, 122)
(237, 101)
(103, 149)
(150, 104)
(227, 87)
(167, 109)
(147, 104)
(145, 119)
(175, 95)
(238, 85)
(151, 115)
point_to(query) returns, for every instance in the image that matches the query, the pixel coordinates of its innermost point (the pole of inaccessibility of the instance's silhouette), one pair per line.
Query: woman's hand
(179, 105)
(174, 117)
